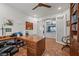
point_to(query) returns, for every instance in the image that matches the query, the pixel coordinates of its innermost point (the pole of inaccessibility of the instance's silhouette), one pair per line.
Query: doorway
(60, 28)
(50, 28)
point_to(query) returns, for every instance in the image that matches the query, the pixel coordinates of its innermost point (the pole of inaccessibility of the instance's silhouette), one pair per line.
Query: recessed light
(59, 8)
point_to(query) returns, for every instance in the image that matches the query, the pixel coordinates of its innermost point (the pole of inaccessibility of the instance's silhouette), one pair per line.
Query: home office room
(39, 29)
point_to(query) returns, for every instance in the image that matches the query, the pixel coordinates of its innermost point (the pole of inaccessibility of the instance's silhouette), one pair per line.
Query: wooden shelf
(74, 12)
(72, 5)
(74, 32)
(74, 23)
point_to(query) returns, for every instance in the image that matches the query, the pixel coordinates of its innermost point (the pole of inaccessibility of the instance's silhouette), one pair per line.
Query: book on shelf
(74, 18)
(74, 27)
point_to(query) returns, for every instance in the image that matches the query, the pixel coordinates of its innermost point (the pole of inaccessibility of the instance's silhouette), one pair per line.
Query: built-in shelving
(74, 29)
(74, 18)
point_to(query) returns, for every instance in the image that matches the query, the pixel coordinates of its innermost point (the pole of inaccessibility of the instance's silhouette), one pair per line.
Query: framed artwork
(68, 23)
(29, 26)
(9, 22)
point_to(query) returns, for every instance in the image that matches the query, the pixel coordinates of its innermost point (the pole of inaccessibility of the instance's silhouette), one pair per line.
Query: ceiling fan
(41, 5)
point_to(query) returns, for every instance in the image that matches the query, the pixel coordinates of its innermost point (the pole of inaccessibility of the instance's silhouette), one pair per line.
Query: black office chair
(6, 50)
(66, 40)
(13, 35)
(11, 42)
(20, 42)
(17, 42)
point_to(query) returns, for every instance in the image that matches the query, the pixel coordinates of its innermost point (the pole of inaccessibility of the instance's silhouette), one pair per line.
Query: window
(8, 29)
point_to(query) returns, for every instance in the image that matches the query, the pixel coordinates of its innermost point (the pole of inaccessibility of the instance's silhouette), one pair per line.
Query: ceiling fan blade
(35, 7)
(45, 5)
(40, 5)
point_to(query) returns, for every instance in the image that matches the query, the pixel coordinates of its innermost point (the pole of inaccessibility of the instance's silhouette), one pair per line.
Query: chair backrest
(66, 39)
(20, 34)
(16, 34)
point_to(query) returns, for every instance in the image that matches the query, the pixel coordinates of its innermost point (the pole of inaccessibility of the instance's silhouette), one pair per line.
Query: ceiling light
(59, 8)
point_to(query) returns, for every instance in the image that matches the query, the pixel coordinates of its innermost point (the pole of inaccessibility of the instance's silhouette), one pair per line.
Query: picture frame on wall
(29, 26)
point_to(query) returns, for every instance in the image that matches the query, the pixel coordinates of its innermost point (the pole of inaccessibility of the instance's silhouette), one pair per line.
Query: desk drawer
(34, 52)
(31, 51)
(31, 44)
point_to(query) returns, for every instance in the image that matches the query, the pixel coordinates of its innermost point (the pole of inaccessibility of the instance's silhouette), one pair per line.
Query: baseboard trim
(60, 42)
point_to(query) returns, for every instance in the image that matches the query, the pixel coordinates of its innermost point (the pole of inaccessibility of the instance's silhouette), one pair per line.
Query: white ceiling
(26, 8)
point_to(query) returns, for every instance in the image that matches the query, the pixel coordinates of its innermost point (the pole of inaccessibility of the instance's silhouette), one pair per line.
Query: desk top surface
(30, 38)
(25, 38)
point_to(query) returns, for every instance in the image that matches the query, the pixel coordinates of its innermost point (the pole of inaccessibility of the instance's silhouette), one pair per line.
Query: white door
(40, 28)
(60, 28)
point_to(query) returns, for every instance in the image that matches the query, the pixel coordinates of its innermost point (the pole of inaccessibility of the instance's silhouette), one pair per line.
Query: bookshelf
(74, 29)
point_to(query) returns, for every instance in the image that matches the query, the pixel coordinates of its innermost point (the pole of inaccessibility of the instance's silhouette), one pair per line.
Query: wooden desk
(35, 44)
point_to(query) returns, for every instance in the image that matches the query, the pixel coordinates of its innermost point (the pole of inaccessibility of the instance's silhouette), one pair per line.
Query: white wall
(18, 18)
